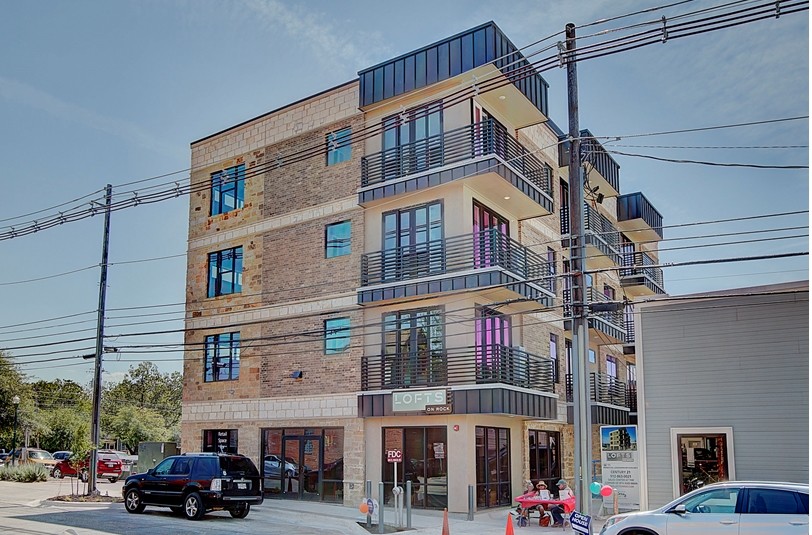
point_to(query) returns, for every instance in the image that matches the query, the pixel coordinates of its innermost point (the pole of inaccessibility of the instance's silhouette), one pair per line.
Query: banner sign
(620, 466)
(579, 522)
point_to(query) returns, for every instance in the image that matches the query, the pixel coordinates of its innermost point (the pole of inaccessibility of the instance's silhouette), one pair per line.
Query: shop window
(493, 467)
(425, 464)
(220, 440)
(701, 456)
(544, 450)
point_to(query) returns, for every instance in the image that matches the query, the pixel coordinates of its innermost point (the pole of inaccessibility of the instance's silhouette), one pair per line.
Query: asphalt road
(25, 509)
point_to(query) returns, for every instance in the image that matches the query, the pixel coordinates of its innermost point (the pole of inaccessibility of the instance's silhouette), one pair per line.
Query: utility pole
(95, 427)
(580, 331)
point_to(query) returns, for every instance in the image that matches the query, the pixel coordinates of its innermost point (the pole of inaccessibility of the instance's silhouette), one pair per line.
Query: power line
(717, 164)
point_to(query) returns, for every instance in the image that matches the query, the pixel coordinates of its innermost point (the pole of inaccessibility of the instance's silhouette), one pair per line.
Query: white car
(730, 508)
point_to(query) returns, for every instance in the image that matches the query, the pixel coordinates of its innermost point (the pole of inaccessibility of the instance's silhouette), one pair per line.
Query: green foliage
(25, 473)
(133, 425)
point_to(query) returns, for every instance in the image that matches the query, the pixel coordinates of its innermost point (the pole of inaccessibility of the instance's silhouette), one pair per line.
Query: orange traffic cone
(509, 526)
(445, 522)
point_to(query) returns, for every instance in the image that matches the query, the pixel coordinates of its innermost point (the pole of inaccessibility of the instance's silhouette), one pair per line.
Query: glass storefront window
(425, 464)
(543, 447)
(304, 463)
(703, 459)
(493, 467)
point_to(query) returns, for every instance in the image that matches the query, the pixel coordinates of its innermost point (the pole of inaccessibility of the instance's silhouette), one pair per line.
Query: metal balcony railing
(628, 320)
(484, 249)
(489, 364)
(594, 153)
(641, 263)
(631, 396)
(599, 231)
(636, 206)
(479, 139)
(602, 389)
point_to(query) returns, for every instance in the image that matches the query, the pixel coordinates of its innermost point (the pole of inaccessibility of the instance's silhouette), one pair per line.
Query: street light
(16, 401)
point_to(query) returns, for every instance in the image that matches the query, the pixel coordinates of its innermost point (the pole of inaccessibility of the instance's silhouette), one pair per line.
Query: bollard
(409, 504)
(368, 495)
(381, 501)
(470, 503)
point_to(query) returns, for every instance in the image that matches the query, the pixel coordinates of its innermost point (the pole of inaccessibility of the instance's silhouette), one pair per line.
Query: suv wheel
(193, 507)
(241, 511)
(132, 501)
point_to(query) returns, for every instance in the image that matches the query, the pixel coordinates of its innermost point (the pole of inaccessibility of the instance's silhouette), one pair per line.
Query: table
(527, 501)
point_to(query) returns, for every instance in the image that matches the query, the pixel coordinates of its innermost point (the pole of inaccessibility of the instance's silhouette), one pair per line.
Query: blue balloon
(595, 487)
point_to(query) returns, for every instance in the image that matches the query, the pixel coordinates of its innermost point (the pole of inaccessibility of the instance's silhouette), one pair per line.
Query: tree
(146, 389)
(12, 383)
(132, 425)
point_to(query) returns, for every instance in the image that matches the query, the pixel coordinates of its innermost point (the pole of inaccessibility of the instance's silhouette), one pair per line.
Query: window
(336, 335)
(339, 148)
(222, 357)
(337, 239)
(591, 356)
(611, 366)
(554, 355)
(775, 502)
(414, 348)
(412, 140)
(220, 440)
(227, 189)
(225, 272)
(713, 501)
(493, 466)
(551, 262)
(609, 292)
(632, 373)
(701, 456)
(413, 242)
(426, 458)
(543, 448)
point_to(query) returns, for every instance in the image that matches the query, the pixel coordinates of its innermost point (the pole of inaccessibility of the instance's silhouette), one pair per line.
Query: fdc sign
(394, 456)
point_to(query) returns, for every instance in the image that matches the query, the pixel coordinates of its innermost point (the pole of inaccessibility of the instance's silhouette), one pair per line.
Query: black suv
(194, 483)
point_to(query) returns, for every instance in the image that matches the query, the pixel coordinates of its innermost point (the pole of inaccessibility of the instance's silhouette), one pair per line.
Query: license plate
(110, 465)
(242, 486)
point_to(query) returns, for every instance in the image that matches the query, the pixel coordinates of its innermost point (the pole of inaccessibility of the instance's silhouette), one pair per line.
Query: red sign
(394, 456)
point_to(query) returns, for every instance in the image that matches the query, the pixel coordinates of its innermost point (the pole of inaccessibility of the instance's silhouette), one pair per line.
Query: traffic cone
(445, 522)
(509, 526)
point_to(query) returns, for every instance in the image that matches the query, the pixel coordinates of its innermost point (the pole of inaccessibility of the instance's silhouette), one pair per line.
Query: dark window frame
(337, 246)
(234, 183)
(336, 333)
(339, 146)
(494, 493)
(551, 472)
(213, 346)
(218, 274)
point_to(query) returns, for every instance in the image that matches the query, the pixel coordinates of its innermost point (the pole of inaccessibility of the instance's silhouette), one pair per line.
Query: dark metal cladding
(448, 58)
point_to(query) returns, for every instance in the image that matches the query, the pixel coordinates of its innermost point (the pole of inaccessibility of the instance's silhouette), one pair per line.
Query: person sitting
(564, 493)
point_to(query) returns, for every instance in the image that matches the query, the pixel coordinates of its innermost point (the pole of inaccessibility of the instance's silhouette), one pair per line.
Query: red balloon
(606, 490)
(364, 508)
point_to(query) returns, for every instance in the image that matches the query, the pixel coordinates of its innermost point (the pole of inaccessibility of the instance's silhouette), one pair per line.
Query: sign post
(396, 457)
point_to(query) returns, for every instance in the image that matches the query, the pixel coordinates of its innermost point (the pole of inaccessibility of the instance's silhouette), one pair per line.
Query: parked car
(108, 465)
(273, 467)
(194, 483)
(127, 460)
(725, 508)
(62, 455)
(34, 456)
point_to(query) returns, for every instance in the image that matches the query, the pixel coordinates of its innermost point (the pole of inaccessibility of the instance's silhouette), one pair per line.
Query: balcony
(602, 170)
(608, 396)
(608, 327)
(485, 259)
(639, 275)
(631, 396)
(483, 154)
(601, 238)
(628, 319)
(459, 366)
(638, 219)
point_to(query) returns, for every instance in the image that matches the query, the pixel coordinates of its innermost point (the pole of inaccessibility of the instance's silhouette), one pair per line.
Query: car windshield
(242, 465)
(34, 454)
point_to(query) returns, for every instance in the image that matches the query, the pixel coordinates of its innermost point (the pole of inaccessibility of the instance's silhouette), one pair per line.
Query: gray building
(723, 380)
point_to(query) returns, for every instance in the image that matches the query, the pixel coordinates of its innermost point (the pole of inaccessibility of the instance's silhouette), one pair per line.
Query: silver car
(730, 508)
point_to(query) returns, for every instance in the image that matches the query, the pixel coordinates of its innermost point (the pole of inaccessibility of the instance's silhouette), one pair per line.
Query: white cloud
(22, 93)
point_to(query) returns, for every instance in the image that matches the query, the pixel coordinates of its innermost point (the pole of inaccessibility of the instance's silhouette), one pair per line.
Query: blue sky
(94, 91)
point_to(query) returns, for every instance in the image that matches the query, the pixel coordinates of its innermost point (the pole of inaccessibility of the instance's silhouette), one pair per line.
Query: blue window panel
(339, 146)
(377, 88)
(591, 356)
(408, 70)
(456, 65)
(420, 69)
(336, 335)
(367, 88)
(399, 77)
(479, 47)
(467, 52)
(389, 80)
(337, 240)
(442, 61)
(222, 357)
(225, 272)
(228, 190)
(431, 65)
